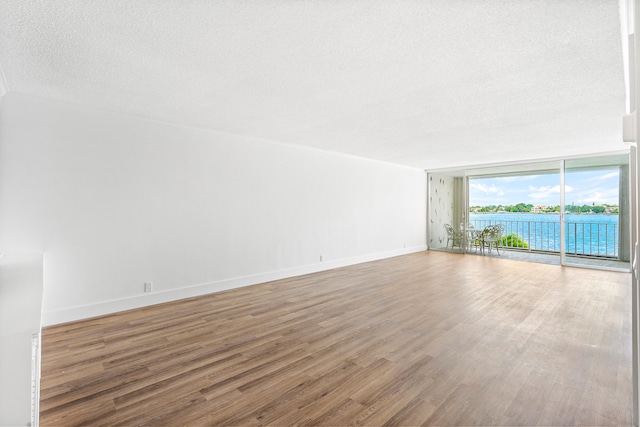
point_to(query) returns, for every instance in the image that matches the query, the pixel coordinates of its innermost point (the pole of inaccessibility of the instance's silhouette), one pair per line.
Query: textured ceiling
(423, 83)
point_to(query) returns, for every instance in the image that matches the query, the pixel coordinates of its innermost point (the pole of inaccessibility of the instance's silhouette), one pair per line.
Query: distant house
(538, 209)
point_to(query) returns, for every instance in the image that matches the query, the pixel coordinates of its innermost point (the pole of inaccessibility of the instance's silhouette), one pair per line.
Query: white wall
(114, 202)
(20, 317)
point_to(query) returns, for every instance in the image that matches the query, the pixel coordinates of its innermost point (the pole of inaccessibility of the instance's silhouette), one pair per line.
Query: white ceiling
(431, 84)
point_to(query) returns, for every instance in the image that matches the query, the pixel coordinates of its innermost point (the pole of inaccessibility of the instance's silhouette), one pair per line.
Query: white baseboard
(71, 314)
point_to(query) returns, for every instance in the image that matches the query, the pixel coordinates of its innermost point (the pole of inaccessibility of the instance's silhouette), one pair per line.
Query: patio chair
(453, 236)
(472, 235)
(491, 236)
(474, 239)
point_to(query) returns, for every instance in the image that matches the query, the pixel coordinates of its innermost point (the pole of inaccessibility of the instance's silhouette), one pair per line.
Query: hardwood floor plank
(423, 339)
(325, 406)
(307, 399)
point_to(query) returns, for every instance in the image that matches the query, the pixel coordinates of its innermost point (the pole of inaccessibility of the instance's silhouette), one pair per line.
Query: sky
(582, 188)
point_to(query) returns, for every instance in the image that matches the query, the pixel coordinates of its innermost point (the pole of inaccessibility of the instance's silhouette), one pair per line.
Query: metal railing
(583, 238)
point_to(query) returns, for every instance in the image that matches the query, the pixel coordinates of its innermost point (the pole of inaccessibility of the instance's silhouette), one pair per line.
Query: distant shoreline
(541, 213)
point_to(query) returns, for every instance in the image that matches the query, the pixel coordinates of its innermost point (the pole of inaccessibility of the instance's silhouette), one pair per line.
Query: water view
(587, 234)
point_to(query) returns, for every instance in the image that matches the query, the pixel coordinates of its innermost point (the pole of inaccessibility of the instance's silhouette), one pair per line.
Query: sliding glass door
(570, 212)
(596, 212)
(525, 201)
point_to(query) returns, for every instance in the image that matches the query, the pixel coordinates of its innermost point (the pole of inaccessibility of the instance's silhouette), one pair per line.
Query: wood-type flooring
(424, 339)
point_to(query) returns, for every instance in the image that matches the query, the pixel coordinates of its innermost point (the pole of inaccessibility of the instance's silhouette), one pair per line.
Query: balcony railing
(583, 238)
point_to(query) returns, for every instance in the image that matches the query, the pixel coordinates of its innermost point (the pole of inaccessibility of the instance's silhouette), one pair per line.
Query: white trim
(626, 29)
(563, 215)
(428, 216)
(634, 26)
(633, 203)
(462, 170)
(4, 86)
(71, 314)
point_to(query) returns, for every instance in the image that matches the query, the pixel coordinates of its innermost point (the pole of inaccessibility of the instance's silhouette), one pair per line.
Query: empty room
(318, 213)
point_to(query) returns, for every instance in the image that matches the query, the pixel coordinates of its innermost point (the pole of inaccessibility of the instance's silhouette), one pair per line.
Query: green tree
(512, 240)
(521, 207)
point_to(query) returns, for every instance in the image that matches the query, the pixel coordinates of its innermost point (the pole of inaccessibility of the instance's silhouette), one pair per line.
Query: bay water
(586, 234)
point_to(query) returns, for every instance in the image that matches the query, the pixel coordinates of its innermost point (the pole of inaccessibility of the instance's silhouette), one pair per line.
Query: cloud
(614, 174)
(544, 188)
(547, 191)
(487, 189)
(599, 187)
(598, 196)
(593, 176)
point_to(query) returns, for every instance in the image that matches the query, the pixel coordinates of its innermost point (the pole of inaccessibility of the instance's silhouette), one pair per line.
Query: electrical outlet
(148, 286)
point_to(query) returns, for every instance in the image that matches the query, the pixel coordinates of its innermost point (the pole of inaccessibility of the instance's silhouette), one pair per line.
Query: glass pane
(526, 203)
(597, 212)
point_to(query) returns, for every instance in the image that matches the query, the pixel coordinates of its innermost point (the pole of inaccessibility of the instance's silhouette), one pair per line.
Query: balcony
(587, 242)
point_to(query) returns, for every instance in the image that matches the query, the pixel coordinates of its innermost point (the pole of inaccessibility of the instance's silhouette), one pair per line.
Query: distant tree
(521, 207)
(526, 207)
(490, 208)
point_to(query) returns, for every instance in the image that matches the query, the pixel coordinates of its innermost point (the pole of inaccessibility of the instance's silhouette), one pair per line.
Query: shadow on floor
(548, 258)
